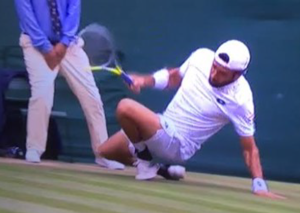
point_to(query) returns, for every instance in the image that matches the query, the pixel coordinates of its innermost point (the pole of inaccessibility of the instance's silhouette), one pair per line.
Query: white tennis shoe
(176, 172)
(145, 170)
(33, 156)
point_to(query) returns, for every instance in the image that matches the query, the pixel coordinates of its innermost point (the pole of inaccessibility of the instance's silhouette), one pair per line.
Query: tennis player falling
(212, 92)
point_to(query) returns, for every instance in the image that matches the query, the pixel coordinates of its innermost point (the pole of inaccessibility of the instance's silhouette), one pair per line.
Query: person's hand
(260, 188)
(268, 194)
(60, 50)
(174, 78)
(138, 83)
(51, 59)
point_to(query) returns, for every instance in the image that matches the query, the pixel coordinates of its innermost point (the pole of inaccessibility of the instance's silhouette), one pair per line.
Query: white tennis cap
(234, 55)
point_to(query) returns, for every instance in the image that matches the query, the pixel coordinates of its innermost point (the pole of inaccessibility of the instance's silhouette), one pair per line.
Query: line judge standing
(50, 45)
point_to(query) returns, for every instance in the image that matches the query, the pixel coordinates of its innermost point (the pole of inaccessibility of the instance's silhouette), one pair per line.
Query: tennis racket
(101, 51)
(117, 70)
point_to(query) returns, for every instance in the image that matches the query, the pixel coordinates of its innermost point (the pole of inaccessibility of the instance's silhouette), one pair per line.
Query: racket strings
(99, 45)
(100, 49)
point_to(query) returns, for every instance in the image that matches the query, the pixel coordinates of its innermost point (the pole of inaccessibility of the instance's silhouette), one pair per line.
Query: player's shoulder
(243, 104)
(244, 95)
(202, 58)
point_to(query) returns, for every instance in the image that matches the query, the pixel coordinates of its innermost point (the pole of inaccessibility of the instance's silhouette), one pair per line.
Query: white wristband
(259, 184)
(161, 78)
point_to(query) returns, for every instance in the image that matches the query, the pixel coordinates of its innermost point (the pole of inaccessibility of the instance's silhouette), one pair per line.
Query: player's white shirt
(199, 110)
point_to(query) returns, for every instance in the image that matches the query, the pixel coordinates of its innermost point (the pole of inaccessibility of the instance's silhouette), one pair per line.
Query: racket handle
(126, 78)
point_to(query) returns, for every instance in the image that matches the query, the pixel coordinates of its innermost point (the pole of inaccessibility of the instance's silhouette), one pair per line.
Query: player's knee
(125, 107)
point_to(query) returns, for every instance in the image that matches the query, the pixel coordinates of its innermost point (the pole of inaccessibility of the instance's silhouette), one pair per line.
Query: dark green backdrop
(156, 33)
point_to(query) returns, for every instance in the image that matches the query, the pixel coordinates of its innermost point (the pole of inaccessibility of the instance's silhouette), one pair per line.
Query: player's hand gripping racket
(100, 48)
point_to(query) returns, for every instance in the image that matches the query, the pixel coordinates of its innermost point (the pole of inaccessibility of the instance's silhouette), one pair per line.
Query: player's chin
(217, 84)
(214, 83)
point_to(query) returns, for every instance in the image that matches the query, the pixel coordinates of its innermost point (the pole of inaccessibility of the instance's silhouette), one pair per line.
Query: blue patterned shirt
(35, 21)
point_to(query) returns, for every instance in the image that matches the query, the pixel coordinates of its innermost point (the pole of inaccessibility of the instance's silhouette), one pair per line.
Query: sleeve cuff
(66, 41)
(45, 48)
(245, 134)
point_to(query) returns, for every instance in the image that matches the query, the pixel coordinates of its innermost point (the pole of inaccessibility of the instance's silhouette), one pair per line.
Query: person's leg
(41, 79)
(82, 83)
(119, 148)
(138, 122)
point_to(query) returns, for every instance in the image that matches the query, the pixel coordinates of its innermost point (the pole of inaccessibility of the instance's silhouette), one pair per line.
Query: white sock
(141, 146)
(132, 146)
(131, 149)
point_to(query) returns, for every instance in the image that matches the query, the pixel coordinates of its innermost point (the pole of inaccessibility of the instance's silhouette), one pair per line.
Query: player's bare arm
(161, 79)
(251, 155)
(252, 160)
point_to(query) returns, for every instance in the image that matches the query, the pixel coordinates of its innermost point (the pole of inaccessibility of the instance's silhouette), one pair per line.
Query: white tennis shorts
(165, 145)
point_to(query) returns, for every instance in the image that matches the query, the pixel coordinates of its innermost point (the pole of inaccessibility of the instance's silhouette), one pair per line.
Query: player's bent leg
(141, 124)
(138, 122)
(117, 148)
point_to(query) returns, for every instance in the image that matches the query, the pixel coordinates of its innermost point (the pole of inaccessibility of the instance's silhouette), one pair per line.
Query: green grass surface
(63, 188)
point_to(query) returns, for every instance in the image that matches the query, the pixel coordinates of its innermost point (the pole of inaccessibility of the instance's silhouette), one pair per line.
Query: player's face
(221, 76)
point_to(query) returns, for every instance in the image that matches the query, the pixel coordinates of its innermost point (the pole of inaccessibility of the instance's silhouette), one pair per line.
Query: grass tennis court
(54, 187)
